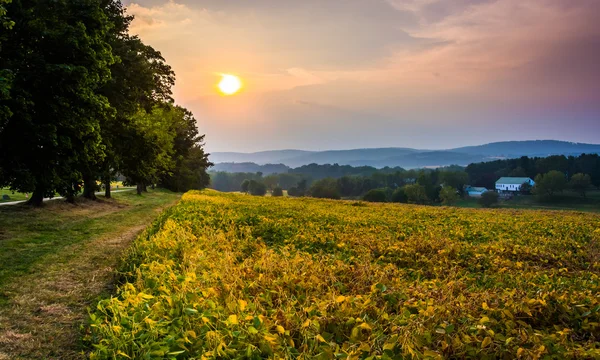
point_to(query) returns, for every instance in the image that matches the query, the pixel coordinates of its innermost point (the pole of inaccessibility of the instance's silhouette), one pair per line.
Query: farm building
(512, 184)
(475, 191)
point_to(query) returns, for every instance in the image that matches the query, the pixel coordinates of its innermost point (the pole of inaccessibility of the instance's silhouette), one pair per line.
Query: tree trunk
(145, 188)
(140, 188)
(37, 197)
(89, 187)
(107, 187)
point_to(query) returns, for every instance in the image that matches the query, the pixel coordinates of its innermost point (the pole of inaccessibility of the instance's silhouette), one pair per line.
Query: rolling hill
(407, 157)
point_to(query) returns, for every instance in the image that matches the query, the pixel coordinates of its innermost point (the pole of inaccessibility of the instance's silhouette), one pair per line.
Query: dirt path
(48, 307)
(44, 307)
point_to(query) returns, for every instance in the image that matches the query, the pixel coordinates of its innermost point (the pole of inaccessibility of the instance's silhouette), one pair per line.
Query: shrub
(489, 199)
(325, 189)
(449, 195)
(257, 188)
(375, 195)
(416, 194)
(399, 196)
(277, 191)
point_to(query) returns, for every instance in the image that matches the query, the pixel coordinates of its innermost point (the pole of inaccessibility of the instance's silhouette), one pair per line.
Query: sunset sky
(339, 74)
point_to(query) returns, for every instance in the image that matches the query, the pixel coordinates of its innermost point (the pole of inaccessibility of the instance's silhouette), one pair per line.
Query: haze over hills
(404, 157)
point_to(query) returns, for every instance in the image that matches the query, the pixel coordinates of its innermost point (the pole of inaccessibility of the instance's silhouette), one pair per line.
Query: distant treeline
(422, 186)
(485, 174)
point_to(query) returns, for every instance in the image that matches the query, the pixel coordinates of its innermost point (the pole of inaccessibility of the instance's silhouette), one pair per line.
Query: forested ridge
(82, 100)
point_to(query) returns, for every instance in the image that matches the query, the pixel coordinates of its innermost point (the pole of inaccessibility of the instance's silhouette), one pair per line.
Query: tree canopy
(82, 100)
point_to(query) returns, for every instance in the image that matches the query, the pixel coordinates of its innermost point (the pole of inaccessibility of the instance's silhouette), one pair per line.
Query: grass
(14, 196)
(56, 260)
(567, 200)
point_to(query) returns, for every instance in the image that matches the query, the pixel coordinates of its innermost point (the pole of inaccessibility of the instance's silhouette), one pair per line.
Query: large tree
(58, 57)
(546, 185)
(140, 80)
(189, 159)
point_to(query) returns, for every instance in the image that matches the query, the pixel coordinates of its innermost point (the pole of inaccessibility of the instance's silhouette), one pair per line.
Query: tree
(526, 188)
(277, 191)
(546, 185)
(257, 188)
(140, 79)
(188, 158)
(489, 199)
(399, 196)
(449, 195)
(325, 189)
(580, 183)
(58, 57)
(244, 186)
(455, 179)
(375, 195)
(151, 140)
(416, 194)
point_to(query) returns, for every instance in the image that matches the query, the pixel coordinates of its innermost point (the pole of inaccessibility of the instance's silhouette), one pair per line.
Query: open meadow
(235, 276)
(56, 261)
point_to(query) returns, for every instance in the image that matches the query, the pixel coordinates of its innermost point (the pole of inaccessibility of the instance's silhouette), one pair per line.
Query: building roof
(513, 180)
(478, 189)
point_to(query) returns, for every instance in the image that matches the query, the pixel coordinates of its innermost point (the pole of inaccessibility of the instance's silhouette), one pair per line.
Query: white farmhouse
(512, 184)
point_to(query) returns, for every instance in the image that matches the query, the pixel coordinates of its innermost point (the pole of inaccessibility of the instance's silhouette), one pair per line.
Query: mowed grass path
(54, 261)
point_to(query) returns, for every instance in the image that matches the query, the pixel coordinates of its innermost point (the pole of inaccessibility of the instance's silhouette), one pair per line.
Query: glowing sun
(229, 84)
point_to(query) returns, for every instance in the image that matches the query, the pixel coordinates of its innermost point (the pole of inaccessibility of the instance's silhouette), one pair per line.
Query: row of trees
(485, 174)
(81, 100)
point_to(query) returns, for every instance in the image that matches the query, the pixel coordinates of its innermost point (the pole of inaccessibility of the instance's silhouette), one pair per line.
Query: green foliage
(257, 188)
(416, 194)
(546, 185)
(244, 185)
(325, 189)
(580, 183)
(59, 58)
(277, 191)
(232, 276)
(375, 195)
(188, 157)
(489, 199)
(399, 196)
(526, 188)
(449, 195)
(455, 179)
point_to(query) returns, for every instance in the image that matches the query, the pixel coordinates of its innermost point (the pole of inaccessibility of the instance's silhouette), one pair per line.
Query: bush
(416, 194)
(244, 185)
(257, 188)
(489, 199)
(325, 189)
(449, 195)
(375, 195)
(277, 191)
(399, 196)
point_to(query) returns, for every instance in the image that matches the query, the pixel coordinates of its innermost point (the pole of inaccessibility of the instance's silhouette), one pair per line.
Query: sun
(229, 84)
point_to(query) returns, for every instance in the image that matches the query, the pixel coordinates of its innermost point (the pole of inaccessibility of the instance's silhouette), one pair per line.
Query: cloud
(397, 65)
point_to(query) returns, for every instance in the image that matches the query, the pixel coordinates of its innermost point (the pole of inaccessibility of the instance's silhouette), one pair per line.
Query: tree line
(447, 185)
(82, 100)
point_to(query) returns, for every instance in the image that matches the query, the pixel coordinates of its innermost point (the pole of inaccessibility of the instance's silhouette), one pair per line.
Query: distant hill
(409, 158)
(249, 167)
(540, 148)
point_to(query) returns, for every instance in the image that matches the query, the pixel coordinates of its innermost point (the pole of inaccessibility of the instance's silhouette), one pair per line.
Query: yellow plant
(234, 276)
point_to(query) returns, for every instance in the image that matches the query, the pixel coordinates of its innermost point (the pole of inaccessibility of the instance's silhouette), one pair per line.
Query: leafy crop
(234, 276)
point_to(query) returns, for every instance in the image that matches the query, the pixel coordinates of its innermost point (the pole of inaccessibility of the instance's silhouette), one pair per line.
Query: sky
(341, 74)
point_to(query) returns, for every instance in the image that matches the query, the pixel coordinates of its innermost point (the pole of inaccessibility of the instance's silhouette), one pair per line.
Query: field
(236, 276)
(56, 261)
(567, 200)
